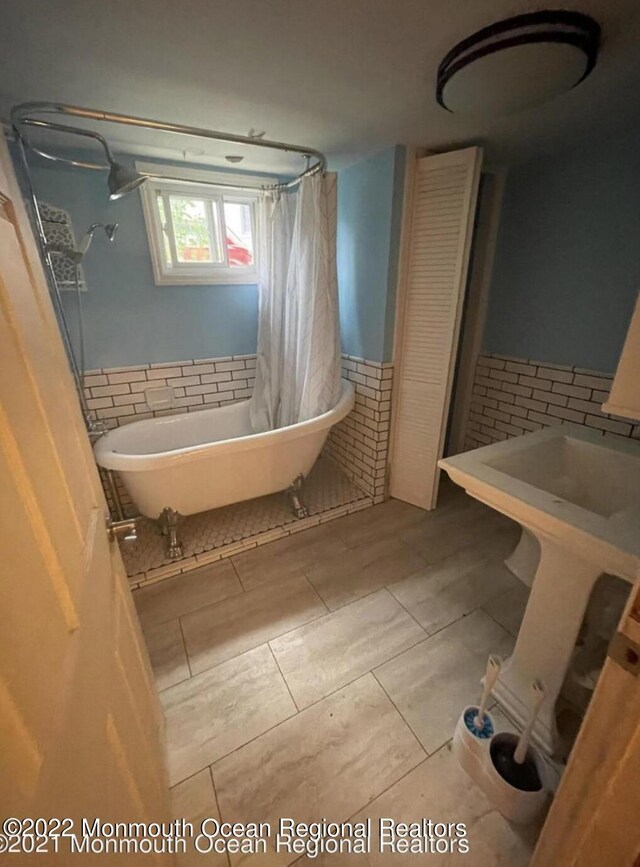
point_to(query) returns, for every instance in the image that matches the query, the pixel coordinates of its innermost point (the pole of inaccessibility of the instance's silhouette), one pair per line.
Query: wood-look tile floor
(321, 675)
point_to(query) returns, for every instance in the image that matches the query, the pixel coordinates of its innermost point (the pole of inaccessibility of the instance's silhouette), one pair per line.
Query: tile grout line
(239, 747)
(468, 614)
(353, 815)
(301, 626)
(315, 593)
(402, 716)
(357, 677)
(299, 711)
(318, 618)
(402, 605)
(265, 732)
(497, 622)
(427, 635)
(190, 777)
(195, 610)
(237, 574)
(285, 681)
(359, 809)
(247, 649)
(479, 520)
(418, 624)
(215, 795)
(482, 561)
(184, 647)
(291, 716)
(365, 673)
(177, 683)
(363, 568)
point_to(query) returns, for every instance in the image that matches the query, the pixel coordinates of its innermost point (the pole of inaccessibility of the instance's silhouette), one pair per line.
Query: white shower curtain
(298, 368)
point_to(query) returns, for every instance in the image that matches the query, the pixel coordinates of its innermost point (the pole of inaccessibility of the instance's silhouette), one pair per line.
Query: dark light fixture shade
(518, 63)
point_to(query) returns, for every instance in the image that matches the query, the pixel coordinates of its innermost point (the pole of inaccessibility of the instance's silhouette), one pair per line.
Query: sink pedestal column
(561, 589)
(523, 560)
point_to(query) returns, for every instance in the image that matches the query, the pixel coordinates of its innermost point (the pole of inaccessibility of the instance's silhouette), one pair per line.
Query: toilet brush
(523, 744)
(478, 723)
(511, 756)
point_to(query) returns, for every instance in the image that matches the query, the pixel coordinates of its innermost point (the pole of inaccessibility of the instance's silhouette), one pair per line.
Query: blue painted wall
(128, 319)
(369, 218)
(567, 267)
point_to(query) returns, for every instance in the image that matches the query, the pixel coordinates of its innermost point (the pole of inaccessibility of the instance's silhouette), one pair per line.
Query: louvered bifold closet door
(443, 205)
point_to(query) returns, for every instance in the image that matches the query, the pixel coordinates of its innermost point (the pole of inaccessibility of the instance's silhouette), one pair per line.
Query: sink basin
(577, 492)
(591, 475)
(577, 485)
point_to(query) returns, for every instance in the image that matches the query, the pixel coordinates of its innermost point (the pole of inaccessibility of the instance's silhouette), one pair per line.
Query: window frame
(195, 273)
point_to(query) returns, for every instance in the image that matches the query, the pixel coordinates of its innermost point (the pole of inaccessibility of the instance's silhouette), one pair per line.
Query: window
(198, 233)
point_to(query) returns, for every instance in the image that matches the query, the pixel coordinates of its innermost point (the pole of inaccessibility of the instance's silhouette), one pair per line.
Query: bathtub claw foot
(169, 521)
(294, 492)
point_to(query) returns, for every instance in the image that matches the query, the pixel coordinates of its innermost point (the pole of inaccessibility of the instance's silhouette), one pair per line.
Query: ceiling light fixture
(518, 63)
(234, 158)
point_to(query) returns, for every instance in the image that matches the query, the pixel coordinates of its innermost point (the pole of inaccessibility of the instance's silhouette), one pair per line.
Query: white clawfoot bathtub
(203, 460)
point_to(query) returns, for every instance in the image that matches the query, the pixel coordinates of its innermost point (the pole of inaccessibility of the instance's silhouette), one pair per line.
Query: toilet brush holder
(471, 741)
(517, 791)
(473, 745)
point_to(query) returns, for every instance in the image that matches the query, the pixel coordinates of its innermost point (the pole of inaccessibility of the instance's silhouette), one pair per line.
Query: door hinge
(625, 652)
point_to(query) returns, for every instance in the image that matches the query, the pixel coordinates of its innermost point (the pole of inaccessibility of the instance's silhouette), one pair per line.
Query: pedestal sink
(578, 493)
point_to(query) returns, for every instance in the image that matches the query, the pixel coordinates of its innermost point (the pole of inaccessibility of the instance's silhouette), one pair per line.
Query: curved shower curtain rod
(22, 115)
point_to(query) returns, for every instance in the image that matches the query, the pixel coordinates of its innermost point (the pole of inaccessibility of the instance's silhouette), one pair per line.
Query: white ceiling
(348, 77)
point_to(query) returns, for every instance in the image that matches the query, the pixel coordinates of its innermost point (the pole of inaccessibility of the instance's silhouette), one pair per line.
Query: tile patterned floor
(210, 536)
(321, 675)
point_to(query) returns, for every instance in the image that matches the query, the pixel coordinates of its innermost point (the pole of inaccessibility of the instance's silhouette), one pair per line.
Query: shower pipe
(46, 255)
(21, 115)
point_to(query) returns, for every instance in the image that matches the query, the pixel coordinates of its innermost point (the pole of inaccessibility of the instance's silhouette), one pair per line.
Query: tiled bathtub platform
(210, 536)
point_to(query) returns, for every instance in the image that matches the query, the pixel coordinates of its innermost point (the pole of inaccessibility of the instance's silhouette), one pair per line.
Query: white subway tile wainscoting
(512, 396)
(118, 395)
(360, 443)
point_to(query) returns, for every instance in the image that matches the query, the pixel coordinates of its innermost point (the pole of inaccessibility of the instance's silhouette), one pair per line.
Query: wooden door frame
(594, 817)
(413, 153)
(477, 304)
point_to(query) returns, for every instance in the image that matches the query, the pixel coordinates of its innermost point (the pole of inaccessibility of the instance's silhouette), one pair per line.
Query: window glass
(239, 240)
(191, 219)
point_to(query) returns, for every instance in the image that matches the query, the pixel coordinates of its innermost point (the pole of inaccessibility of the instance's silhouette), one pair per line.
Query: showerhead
(110, 230)
(77, 256)
(122, 180)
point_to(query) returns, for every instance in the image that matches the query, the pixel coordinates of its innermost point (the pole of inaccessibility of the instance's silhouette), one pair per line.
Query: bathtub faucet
(96, 428)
